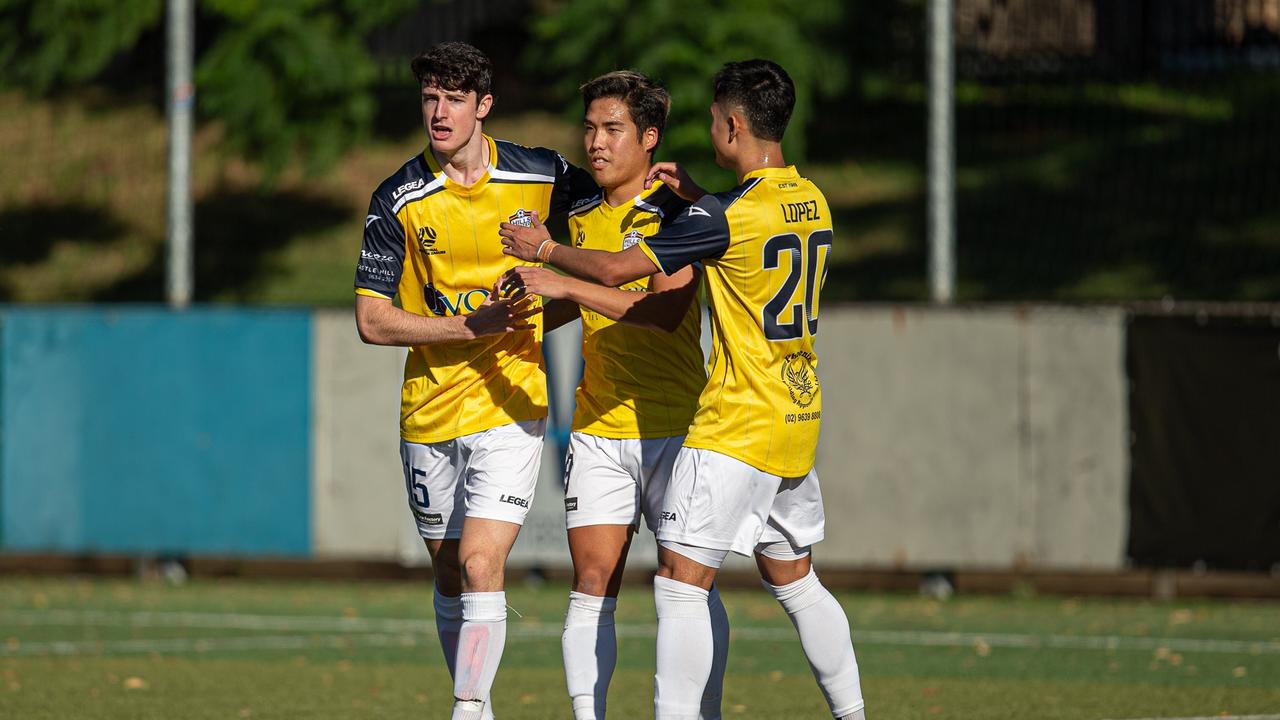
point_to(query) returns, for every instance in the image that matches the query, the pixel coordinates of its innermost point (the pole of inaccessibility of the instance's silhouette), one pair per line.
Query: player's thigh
(502, 471)
(657, 459)
(712, 500)
(433, 479)
(601, 487)
(599, 554)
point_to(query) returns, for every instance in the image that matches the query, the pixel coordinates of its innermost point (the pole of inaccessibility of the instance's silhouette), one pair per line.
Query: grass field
(93, 648)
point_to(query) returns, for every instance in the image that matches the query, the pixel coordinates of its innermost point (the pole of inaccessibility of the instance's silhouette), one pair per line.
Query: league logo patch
(427, 241)
(522, 217)
(570, 504)
(801, 379)
(631, 238)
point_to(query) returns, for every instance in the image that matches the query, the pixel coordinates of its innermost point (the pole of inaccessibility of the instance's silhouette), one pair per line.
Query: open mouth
(440, 133)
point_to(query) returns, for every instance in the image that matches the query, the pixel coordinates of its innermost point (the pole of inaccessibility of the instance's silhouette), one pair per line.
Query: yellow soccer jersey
(765, 247)
(435, 244)
(636, 382)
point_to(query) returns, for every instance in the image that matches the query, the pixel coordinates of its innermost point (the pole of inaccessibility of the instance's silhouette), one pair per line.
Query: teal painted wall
(152, 431)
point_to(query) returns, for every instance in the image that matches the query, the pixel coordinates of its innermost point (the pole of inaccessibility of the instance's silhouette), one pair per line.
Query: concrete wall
(991, 438)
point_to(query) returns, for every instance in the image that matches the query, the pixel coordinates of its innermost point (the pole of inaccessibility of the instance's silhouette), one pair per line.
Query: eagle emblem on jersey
(522, 217)
(801, 379)
(631, 238)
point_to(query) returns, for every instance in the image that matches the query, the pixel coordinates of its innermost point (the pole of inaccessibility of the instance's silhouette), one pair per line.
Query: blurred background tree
(682, 43)
(288, 79)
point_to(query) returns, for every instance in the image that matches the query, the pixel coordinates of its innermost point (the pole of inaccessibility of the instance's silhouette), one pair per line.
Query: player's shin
(480, 643)
(684, 649)
(824, 635)
(713, 693)
(590, 646)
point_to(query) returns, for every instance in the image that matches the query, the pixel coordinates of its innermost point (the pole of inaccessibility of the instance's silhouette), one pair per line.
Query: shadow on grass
(238, 235)
(29, 234)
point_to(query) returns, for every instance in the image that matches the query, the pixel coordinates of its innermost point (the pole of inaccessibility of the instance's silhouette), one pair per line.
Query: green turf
(231, 649)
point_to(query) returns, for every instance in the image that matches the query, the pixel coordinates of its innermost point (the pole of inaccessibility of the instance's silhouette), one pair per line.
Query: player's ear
(483, 106)
(649, 139)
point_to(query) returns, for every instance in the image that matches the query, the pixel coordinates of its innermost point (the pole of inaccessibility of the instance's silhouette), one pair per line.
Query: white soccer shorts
(721, 503)
(613, 481)
(489, 474)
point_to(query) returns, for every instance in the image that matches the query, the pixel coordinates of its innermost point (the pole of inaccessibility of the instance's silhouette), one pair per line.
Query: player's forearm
(657, 311)
(599, 266)
(385, 324)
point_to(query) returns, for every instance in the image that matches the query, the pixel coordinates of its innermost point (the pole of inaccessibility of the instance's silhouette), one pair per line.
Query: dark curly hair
(764, 92)
(455, 66)
(647, 101)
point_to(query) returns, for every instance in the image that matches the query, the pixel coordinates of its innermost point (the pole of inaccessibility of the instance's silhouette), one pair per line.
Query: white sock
(713, 694)
(448, 623)
(590, 646)
(480, 642)
(824, 635)
(684, 649)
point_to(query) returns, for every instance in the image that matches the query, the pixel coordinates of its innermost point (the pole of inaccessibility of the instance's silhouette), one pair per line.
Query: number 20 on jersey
(783, 319)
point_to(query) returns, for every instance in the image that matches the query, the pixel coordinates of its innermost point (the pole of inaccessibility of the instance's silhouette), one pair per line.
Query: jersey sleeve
(573, 186)
(381, 252)
(700, 232)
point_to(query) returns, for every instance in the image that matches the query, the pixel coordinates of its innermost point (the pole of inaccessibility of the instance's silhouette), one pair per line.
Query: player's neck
(620, 194)
(757, 156)
(466, 164)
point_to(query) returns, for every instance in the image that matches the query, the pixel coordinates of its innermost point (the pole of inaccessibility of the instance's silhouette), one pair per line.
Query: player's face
(616, 151)
(452, 117)
(720, 136)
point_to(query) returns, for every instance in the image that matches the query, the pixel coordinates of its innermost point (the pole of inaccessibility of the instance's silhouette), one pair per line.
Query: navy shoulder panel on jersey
(572, 186)
(662, 202)
(700, 232)
(413, 181)
(382, 250)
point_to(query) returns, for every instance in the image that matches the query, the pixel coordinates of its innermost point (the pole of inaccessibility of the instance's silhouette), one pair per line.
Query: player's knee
(481, 571)
(592, 580)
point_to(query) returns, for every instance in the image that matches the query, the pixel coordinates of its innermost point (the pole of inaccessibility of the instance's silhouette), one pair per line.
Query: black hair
(764, 92)
(647, 101)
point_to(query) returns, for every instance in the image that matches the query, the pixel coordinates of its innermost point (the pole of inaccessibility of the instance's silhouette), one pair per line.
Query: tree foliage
(287, 78)
(682, 43)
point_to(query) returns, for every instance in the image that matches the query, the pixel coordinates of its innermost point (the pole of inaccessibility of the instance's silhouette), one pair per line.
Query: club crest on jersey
(800, 378)
(522, 217)
(631, 238)
(427, 241)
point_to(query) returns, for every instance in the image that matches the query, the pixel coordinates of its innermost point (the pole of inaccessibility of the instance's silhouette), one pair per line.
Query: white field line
(520, 630)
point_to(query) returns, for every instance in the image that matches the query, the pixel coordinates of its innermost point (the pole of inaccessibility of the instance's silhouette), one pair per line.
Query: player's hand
(676, 178)
(505, 310)
(523, 242)
(539, 281)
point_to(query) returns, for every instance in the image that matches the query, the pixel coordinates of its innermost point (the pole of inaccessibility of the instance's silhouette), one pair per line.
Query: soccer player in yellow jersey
(744, 479)
(642, 375)
(474, 399)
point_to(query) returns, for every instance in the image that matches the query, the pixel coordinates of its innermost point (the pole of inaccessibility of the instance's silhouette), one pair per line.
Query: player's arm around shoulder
(661, 307)
(534, 244)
